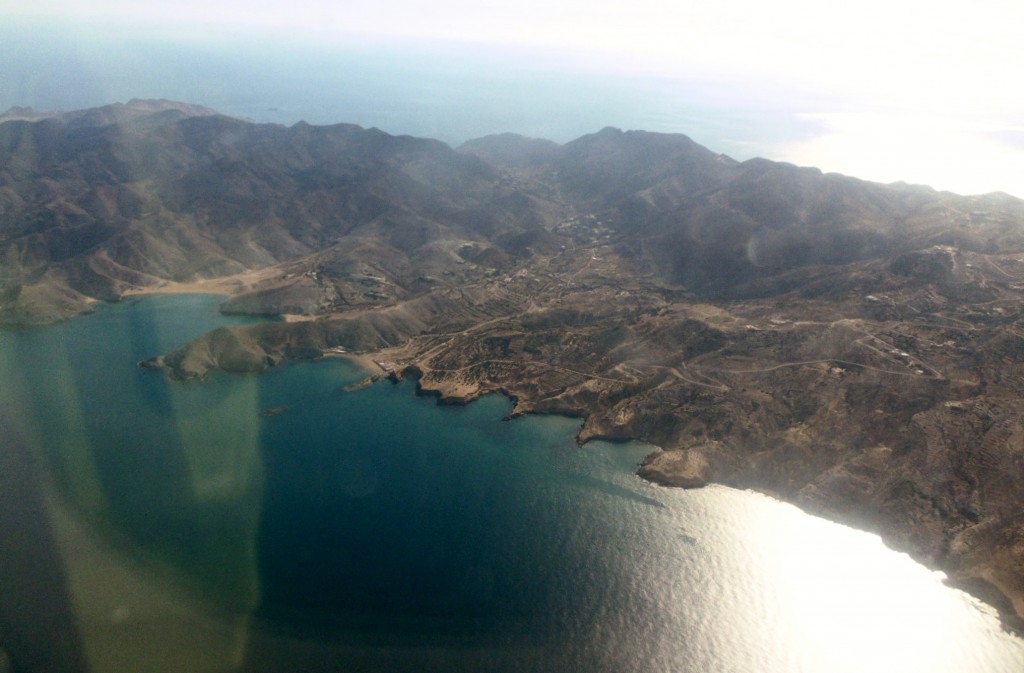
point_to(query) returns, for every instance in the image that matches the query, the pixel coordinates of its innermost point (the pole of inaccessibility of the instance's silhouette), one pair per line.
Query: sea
(453, 92)
(294, 521)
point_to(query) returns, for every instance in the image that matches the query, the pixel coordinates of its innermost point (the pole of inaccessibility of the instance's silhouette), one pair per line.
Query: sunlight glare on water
(837, 599)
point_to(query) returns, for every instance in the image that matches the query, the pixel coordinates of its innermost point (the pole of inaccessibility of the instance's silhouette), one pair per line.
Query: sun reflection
(846, 602)
(959, 153)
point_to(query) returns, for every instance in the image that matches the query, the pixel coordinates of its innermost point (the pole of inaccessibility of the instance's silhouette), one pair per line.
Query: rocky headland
(854, 348)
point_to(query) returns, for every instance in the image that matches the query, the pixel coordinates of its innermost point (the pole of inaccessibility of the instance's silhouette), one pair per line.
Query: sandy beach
(227, 285)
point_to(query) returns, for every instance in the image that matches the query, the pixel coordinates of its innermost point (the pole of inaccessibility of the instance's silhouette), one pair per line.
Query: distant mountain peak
(510, 149)
(163, 104)
(19, 111)
(107, 114)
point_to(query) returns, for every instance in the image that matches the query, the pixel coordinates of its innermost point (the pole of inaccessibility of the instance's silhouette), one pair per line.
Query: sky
(887, 90)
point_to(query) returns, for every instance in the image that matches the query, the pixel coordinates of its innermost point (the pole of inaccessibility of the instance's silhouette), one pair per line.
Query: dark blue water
(374, 530)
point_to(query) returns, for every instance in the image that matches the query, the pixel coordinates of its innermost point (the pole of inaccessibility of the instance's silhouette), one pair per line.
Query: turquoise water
(377, 531)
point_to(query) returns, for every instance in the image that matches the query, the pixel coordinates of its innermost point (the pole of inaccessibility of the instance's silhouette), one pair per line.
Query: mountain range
(852, 347)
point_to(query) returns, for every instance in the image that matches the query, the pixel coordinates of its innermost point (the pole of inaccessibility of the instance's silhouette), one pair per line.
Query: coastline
(366, 360)
(690, 469)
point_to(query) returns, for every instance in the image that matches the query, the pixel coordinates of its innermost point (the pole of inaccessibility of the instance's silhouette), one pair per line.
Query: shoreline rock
(686, 468)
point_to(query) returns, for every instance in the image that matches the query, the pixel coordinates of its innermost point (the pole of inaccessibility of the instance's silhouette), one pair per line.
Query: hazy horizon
(797, 97)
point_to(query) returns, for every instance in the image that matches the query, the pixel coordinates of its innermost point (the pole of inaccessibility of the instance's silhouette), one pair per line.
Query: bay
(378, 531)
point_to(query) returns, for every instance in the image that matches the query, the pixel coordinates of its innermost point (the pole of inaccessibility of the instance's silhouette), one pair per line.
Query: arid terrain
(851, 347)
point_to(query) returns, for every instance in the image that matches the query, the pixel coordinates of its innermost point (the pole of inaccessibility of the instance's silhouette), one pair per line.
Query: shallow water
(376, 530)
